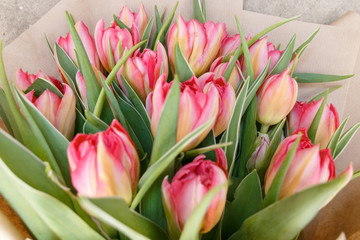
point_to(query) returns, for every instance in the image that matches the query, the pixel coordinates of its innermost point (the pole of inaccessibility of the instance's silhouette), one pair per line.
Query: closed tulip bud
(23, 80)
(276, 97)
(143, 70)
(199, 43)
(310, 166)
(196, 107)
(303, 114)
(104, 164)
(226, 101)
(258, 157)
(229, 45)
(59, 112)
(67, 44)
(80, 82)
(218, 68)
(189, 186)
(112, 42)
(136, 22)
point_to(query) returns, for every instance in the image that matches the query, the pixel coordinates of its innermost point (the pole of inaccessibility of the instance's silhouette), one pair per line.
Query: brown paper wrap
(333, 51)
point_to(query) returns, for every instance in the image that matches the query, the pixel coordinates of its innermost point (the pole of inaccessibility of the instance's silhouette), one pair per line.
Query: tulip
(59, 112)
(112, 42)
(258, 157)
(276, 97)
(303, 114)
(136, 22)
(218, 68)
(80, 82)
(104, 164)
(23, 80)
(199, 43)
(229, 45)
(196, 107)
(67, 44)
(310, 166)
(226, 101)
(144, 69)
(189, 186)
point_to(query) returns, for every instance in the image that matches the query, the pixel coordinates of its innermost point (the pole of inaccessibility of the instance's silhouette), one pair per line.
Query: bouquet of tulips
(173, 131)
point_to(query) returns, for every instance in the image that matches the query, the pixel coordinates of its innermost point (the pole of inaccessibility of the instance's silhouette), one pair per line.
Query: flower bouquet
(166, 128)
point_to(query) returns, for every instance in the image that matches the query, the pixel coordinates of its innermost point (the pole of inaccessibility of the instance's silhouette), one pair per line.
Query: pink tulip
(258, 157)
(303, 114)
(276, 97)
(196, 107)
(143, 70)
(226, 103)
(104, 164)
(59, 112)
(23, 80)
(199, 43)
(218, 68)
(80, 82)
(189, 186)
(136, 22)
(229, 45)
(310, 166)
(67, 44)
(112, 42)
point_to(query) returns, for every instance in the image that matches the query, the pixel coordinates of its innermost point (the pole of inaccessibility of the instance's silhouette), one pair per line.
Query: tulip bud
(143, 70)
(59, 112)
(226, 103)
(199, 43)
(261, 146)
(229, 45)
(136, 22)
(303, 114)
(218, 68)
(189, 186)
(196, 107)
(111, 43)
(23, 80)
(310, 166)
(80, 82)
(276, 97)
(104, 164)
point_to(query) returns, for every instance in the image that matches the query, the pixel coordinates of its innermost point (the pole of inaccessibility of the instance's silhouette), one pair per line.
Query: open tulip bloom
(179, 131)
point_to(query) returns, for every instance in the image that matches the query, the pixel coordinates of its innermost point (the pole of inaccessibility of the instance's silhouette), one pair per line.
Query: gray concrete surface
(17, 15)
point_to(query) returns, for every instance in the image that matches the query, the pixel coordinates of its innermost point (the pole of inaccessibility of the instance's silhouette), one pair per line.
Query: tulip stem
(264, 129)
(102, 96)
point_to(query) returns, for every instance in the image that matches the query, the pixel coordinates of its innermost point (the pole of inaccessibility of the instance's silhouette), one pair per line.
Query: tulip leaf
(182, 67)
(285, 58)
(120, 23)
(330, 90)
(147, 32)
(284, 219)
(199, 11)
(274, 190)
(232, 63)
(5, 112)
(40, 85)
(115, 212)
(165, 160)
(66, 64)
(336, 137)
(49, 45)
(242, 207)
(316, 121)
(158, 19)
(232, 133)
(195, 152)
(247, 57)
(193, 224)
(303, 46)
(209, 140)
(41, 212)
(318, 78)
(135, 100)
(95, 121)
(345, 139)
(164, 28)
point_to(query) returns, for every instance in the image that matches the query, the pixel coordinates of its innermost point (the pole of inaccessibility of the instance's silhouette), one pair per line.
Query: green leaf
(336, 137)
(198, 11)
(323, 94)
(49, 45)
(115, 212)
(195, 152)
(66, 64)
(284, 219)
(232, 63)
(5, 112)
(303, 46)
(182, 67)
(95, 121)
(120, 23)
(86, 69)
(193, 224)
(318, 78)
(40, 85)
(209, 140)
(285, 58)
(41, 212)
(274, 190)
(247, 201)
(345, 139)
(147, 32)
(316, 121)
(165, 27)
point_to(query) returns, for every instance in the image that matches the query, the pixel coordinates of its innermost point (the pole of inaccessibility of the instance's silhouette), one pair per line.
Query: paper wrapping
(333, 51)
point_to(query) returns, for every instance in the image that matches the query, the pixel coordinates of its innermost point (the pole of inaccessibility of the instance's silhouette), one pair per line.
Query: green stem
(101, 100)
(264, 129)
